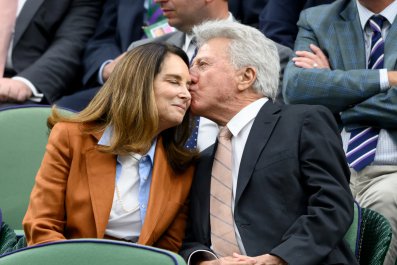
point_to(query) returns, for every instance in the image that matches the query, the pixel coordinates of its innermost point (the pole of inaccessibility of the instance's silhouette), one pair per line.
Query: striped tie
(223, 237)
(362, 144)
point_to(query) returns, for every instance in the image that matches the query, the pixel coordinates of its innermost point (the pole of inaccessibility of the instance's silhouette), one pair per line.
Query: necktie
(362, 144)
(8, 10)
(191, 143)
(154, 13)
(223, 236)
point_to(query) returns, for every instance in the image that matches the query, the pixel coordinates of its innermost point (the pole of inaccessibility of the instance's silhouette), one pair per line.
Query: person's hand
(108, 69)
(266, 259)
(232, 260)
(314, 59)
(392, 75)
(13, 90)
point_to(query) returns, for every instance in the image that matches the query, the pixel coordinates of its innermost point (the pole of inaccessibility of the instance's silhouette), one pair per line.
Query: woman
(119, 168)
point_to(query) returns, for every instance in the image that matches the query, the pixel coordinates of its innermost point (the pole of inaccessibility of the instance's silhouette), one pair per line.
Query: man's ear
(246, 77)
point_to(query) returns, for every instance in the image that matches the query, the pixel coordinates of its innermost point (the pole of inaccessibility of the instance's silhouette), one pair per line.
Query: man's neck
(376, 6)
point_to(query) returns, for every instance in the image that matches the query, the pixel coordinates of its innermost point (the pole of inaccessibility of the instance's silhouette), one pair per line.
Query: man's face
(214, 79)
(183, 14)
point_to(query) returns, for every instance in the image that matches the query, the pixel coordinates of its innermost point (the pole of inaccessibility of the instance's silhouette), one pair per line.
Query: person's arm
(334, 88)
(278, 20)
(325, 176)
(103, 45)
(45, 218)
(54, 72)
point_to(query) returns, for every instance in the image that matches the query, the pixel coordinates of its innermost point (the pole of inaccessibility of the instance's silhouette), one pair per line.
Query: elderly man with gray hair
(274, 187)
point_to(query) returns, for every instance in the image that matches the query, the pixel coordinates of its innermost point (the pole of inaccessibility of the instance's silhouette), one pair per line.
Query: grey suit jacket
(178, 39)
(50, 36)
(349, 90)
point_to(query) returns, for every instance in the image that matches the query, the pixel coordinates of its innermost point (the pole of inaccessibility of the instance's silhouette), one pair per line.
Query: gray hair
(248, 47)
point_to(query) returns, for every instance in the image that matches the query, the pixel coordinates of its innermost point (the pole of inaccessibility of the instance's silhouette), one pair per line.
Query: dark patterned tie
(223, 236)
(362, 144)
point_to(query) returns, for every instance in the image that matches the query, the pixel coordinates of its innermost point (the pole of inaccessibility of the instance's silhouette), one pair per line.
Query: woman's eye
(173, 81)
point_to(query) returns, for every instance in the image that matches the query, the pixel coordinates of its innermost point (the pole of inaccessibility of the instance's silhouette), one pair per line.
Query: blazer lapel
(159, 194)
(101, 174)
(350, 38)
(391, 47)
(261, 129)
(25, 16)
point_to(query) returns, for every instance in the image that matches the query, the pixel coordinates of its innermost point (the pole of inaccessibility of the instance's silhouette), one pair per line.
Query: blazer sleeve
(336, 89)
(56, 70)
(278, 20)
(325, 176)
(377, 111)
(45, 218)
(103, 45)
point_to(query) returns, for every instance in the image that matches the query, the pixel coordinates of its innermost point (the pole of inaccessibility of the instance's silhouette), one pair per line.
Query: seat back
(375, 238)
(23, 138)
(91, 251)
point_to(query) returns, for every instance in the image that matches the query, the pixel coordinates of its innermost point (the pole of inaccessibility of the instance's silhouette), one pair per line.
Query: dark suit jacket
(50, 36)
(293, 198)
(120, 24)
(278, 19)
(247, 11)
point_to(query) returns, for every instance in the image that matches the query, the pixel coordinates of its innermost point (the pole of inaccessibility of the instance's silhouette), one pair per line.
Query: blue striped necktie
(362, 144)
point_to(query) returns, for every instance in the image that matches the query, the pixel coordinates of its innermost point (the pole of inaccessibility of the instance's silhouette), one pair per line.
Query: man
(346, 61)
(279, 193)
(183, 15)
(43, 58)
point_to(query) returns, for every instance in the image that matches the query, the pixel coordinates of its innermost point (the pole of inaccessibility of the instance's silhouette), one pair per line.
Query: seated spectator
(346, 60)
(278, 19)
(119, 168)
(121, 23)
(274, 188)
(182, 15)
(42, 58)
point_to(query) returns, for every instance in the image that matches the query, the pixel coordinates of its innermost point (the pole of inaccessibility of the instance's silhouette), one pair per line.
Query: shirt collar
(107, 135)
(389, 13)
(245, 116)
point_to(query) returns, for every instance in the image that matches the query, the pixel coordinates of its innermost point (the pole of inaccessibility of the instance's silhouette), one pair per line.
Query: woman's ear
(246, 78)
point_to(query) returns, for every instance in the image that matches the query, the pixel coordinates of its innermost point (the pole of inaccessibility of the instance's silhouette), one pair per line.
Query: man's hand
(392, 75)
(234, 260)
(314, 59)
(108, 69)
(268, 259)
(13, 90)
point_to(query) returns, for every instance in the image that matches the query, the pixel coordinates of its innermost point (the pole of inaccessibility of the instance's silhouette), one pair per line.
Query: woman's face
(171, 91)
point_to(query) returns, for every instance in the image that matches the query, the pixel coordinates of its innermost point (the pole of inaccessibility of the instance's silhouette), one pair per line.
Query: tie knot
(376, 23)
(224, 132)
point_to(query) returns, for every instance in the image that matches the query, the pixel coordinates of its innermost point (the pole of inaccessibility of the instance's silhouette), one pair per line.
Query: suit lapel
(101, 174)
(159, 194)
(261, 129)
(350, 38)
(177, 39)
(29, 9)
(391, 47)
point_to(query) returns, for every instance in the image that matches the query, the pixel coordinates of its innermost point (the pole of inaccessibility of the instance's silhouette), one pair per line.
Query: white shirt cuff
(100, 76)
(36, 96)
(383, 80)
(204, 253)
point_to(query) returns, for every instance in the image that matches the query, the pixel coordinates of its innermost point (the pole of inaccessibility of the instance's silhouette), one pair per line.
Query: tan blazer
(74, 189)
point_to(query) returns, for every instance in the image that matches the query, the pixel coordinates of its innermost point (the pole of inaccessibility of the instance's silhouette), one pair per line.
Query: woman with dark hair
(119, 168)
